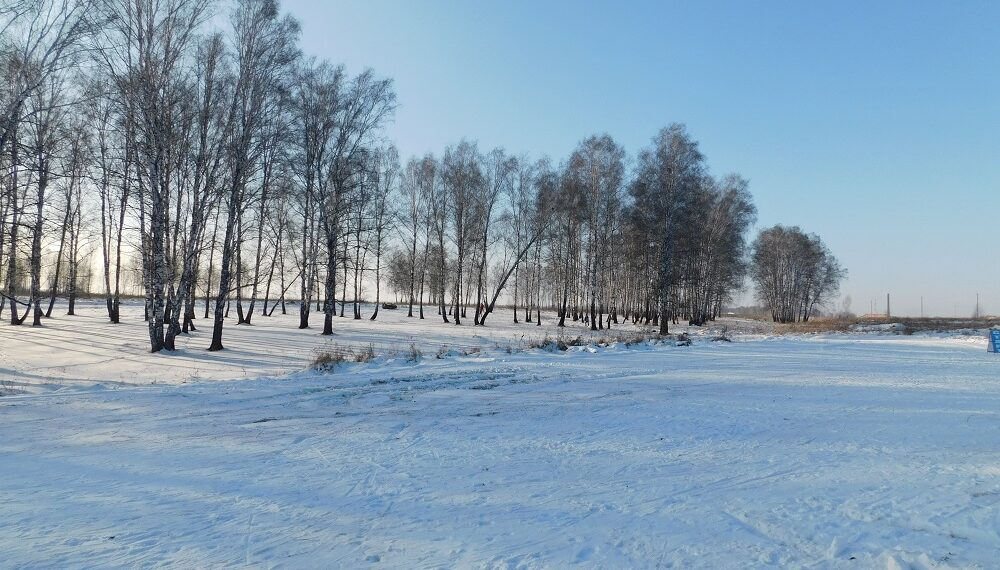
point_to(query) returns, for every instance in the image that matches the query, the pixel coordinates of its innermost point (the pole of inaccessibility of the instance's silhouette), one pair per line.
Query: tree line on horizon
(216, 170)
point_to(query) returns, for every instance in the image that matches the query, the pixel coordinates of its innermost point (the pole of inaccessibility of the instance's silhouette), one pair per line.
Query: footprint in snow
(586, 553)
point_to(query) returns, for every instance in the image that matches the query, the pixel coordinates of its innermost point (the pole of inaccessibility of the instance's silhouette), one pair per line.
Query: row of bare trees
(204, 157)
(41, 150)
(216, 170)
(586, 238)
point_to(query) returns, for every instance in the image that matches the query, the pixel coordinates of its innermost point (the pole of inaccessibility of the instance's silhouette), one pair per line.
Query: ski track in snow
(826, 452)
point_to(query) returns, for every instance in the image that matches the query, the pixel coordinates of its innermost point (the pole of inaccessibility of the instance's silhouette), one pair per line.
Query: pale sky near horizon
(873, 124)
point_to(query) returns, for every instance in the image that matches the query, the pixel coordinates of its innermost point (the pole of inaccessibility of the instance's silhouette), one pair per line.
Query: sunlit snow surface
(842, 451)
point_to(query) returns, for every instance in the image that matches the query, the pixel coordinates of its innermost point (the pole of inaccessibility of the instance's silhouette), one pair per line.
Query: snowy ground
(87, 349)
(841, 451)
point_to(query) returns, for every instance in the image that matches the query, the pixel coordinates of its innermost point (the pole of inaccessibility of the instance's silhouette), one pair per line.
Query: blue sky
(874, 124)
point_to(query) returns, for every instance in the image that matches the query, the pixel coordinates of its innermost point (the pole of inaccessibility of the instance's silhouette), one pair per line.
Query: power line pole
(888, 313)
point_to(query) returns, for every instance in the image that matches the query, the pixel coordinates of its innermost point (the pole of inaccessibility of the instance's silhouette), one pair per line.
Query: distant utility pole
(976, 315)
(921, 306)
(888, 314)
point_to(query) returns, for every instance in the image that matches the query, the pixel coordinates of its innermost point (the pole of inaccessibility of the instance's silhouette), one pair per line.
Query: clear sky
(874, 124)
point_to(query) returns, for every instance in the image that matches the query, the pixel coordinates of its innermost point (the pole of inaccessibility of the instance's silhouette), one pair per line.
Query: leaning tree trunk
(255, 285)
(225, 274)
(36, 248)
(59, 256)
(74, 265)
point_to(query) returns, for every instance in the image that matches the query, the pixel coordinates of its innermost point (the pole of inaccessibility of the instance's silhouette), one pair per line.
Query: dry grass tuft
(327, 361)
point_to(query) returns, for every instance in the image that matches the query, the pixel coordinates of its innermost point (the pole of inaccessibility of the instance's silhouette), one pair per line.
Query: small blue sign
(994, 340)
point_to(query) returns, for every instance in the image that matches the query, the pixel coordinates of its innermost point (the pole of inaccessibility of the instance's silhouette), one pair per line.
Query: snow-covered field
(842, 451)
(86, 349)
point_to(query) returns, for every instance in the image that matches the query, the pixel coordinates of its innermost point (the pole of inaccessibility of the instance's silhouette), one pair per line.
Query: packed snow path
(837, 452)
